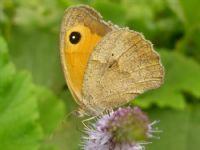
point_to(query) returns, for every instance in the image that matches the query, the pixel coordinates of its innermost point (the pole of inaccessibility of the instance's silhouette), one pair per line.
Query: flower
(123, 129)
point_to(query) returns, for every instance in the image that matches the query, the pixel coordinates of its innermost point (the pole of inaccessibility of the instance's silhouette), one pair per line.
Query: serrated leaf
(182, 75)
(18, 109)
(27, 112)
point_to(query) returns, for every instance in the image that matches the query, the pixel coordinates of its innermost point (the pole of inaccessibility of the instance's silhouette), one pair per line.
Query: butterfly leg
(87, 120)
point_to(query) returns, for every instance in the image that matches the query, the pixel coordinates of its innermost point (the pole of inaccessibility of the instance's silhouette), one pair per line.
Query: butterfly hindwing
(122, 66)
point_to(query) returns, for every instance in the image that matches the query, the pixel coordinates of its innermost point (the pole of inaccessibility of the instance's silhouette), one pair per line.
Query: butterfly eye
(75, 37)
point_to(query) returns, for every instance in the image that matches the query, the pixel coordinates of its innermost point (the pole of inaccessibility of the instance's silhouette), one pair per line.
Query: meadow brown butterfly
(105, 66)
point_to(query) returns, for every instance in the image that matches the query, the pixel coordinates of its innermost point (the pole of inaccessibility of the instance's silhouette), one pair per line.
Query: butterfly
(105, 66)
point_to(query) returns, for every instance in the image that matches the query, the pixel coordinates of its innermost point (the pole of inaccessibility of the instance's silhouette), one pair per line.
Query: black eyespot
(75, 37)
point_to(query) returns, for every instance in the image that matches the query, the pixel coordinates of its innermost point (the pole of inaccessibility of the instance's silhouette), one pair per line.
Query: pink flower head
(124, 129)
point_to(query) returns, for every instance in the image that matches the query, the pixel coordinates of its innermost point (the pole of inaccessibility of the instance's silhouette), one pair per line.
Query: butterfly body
(105, 66)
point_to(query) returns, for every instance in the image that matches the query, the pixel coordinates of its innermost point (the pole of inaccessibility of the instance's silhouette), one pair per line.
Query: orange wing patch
(77, 55)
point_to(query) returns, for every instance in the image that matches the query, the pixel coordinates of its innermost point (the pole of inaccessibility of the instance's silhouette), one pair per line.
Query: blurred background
(35, 104)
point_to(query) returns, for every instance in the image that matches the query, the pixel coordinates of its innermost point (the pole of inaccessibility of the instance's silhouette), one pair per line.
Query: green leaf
(47, 147)
(18, 108)
(154, 19)
(68, 134)
(3, 52)
(184, 9)
(181, 75)
(38, 52)
(190, 44)
(51, 110)
(176, 7)
(180, 129)
(36, 13)
(28, 113)
(32, 32)
(105, 7)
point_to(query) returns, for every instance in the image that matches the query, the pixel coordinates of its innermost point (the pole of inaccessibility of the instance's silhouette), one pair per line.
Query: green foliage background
(35, 104)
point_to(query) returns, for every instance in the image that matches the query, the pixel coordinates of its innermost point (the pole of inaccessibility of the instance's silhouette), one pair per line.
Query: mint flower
(124, 129)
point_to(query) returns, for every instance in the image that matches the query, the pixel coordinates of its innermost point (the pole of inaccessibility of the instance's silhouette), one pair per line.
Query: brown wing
(122, 66)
